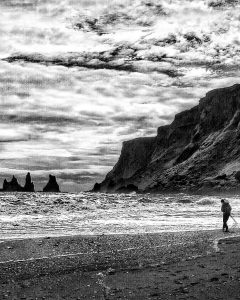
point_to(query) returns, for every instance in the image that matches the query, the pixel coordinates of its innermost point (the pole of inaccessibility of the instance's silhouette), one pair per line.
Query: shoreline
(205, 192)
(87, 235)
(54, 259)
(47, 247)
(51, 247)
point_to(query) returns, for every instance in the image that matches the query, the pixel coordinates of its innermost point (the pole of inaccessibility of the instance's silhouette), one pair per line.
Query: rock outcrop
(97, 187)
(52, 185)
(12, 186)
(29, 185)
(198, 151)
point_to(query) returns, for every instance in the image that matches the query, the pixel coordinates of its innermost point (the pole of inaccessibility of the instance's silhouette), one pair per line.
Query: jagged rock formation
(12, 186)
(198, 151)
(52, 185)
(29, 185)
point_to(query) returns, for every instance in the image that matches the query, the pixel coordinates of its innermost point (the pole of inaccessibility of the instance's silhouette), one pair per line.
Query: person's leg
(225, 219)
(226, 226)
(224, 223)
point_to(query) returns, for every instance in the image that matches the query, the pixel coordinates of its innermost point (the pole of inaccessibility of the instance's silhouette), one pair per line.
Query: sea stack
(29, 185)
(52, 185)
(12, 186)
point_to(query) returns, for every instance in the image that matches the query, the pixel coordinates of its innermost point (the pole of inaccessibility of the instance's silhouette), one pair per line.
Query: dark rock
(128, 189)
(135, 156)
(29, 185)
(178, 177)
(187, 152)
(96, 188)
(198, 144)
(52, 185)
(237, 176)
(221, 177)
(209, 183)
(12, 186)
(5, 185)
(111, 185)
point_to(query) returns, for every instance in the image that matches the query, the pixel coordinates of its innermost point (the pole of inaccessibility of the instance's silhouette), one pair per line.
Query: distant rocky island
(14, 186)
(52, 185)
(198, 151)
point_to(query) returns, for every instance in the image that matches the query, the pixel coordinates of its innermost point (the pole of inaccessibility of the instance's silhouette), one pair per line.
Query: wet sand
(187, 265)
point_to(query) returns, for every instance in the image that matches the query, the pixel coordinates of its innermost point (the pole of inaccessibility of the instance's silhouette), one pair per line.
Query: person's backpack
(228, 208)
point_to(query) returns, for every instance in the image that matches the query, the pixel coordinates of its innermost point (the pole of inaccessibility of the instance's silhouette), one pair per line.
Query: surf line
(32, 259)
(216, 241)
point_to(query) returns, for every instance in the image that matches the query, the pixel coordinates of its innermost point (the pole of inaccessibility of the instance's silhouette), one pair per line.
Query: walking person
(226, 210)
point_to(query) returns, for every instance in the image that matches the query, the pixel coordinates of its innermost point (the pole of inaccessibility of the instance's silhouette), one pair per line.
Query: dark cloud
(13, 140)
(77, 176)
(110, 60)
(19, 3)
(100, 152)
(23, 95)
(141, 13)
(130, 119)
(38, 118)
(222, 3)
(76, 159)
(52, 119)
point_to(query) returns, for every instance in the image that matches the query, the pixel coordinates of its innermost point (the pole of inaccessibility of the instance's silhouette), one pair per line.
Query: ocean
(24, 215)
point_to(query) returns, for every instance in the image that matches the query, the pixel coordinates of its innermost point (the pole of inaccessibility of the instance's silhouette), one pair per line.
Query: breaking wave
(207, 201)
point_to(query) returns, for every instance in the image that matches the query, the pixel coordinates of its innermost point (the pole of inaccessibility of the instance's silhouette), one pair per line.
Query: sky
(79, 77)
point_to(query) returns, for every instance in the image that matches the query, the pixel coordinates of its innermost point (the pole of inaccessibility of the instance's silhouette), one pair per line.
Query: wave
(206, 201)
(145, 200)
(184, 201)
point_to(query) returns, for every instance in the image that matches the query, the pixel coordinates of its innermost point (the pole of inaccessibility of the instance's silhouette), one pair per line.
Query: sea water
(41, 214)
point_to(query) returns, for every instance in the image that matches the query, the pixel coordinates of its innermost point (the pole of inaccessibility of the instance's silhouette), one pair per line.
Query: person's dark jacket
(226, 208)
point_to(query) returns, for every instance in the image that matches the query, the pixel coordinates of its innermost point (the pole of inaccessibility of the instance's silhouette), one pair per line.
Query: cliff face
(200, 150)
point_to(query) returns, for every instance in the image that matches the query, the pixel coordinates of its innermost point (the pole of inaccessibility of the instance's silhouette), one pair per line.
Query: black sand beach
(186, 265)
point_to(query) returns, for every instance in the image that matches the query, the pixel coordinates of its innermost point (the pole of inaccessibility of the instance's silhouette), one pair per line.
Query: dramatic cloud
(77, 78)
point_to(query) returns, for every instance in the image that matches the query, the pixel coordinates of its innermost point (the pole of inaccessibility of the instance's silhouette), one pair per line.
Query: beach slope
(188, 265)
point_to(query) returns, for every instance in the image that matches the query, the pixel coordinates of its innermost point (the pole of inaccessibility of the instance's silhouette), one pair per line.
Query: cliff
(198, 151)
